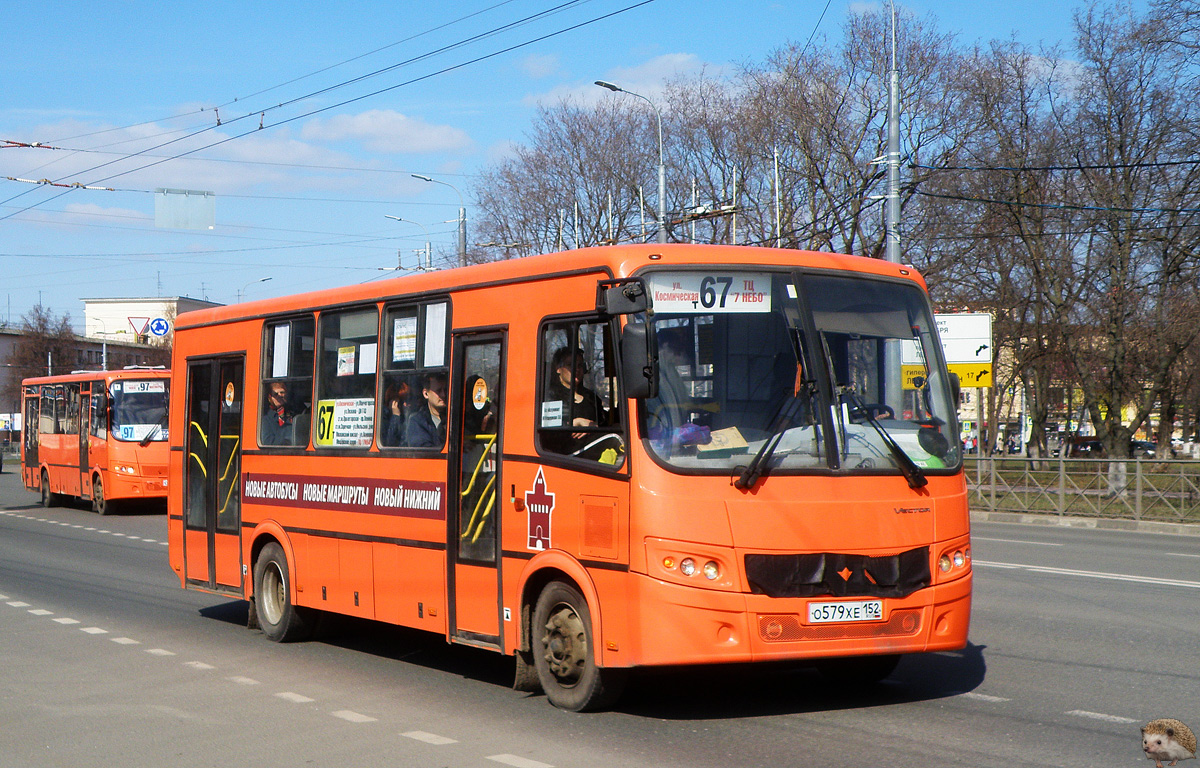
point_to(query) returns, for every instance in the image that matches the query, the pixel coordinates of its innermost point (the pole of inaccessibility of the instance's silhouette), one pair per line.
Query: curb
(1106, 524)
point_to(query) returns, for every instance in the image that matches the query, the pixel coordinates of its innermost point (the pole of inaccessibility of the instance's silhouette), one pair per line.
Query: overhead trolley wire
(262, 126)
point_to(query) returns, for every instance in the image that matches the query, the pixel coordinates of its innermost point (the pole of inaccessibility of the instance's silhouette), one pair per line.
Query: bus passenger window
(426, 425)
(412, 403)
(393, 409)
(285, 410)
(579, 413)
(345, 411)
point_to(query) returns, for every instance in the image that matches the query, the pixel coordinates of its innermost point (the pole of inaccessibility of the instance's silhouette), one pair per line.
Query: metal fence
(1137, 489)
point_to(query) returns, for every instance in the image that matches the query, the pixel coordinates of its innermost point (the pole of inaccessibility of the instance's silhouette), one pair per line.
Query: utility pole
(893, 155)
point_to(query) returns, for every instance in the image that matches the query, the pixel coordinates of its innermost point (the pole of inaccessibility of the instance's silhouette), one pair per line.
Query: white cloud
(96, 212)
(646, 79)
(387, 131)
(539, 66)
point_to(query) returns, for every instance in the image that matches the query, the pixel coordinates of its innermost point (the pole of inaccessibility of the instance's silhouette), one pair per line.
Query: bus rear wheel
(100, 505)
(49, 498)
(280, 619)
(564, 652)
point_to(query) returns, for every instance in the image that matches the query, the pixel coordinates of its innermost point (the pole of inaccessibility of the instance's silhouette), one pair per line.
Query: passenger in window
(394, 396)
(427, 427)
(567, 386)
(276, 428)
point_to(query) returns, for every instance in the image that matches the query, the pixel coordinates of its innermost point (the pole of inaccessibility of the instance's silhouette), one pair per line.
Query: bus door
(29, 438)
(85, 424)
(473, 546)
(212, 474)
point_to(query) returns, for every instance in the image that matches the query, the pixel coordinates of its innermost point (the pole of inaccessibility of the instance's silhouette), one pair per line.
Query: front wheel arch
(564, 650)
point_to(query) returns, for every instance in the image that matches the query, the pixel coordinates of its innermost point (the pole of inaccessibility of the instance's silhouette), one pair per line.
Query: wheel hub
(566, 645)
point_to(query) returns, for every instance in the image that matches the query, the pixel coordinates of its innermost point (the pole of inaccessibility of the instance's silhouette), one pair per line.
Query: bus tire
(280, 620)
(563, 652)
(859, 670)
(49, 498)
(100, 504)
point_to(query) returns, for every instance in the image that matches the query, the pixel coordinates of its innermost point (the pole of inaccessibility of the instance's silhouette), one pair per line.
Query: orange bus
(594, 461)
(98, 436)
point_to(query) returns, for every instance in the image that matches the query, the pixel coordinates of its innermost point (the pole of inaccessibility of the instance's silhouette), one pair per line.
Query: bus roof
(615, 261)
(133, 372)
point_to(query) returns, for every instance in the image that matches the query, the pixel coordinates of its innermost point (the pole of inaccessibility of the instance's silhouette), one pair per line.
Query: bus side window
(99, 425)
(287, 383)
(579, 410)
(347, 361)
(412, 403)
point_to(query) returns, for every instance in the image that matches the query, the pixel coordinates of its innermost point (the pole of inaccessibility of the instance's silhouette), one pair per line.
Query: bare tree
(47, 347)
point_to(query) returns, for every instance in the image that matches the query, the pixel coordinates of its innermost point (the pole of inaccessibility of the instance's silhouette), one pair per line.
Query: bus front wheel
(280, 620)
(564, 652)
(100, 505)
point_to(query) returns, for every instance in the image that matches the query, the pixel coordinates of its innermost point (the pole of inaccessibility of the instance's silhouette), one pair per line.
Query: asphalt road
(1078, 637)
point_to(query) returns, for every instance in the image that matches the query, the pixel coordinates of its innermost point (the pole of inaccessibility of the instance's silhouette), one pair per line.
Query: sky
(305, 121)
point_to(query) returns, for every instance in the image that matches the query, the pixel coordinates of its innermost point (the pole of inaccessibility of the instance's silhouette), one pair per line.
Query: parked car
(1142, 449)
(1085, 448)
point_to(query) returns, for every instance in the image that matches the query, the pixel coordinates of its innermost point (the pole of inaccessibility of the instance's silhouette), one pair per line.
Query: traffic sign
(159, 326)
(967, 344)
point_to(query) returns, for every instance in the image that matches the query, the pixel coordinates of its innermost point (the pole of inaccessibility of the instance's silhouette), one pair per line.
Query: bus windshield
(139, 409)
(797, 372)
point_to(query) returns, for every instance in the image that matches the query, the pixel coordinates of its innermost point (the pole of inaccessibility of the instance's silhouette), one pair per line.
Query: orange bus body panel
(126, 469)
(611, 530)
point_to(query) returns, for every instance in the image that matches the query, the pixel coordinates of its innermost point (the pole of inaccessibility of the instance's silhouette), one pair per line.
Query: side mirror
(625, 296)
(639, 360)
(955, 389)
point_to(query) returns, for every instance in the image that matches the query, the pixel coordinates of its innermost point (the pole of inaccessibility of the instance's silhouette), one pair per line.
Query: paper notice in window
(345, 364)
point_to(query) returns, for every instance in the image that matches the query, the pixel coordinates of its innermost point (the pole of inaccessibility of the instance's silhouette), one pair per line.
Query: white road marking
(243, 680)
(65, 620)
(41, 612)
(429, 738)
(518, 762)
(94, 630)
(353, 717)
(295, 698)
(1180, 554)
(159, 652)
(1101, 716)
(1092, 574)
(198, 665)
(984, 697)
(1017, 541)
(18, 604)
(126, 641)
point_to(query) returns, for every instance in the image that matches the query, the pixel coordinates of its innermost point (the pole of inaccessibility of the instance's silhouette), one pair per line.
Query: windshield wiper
(751, 474)
(157, 428)
(912, 473)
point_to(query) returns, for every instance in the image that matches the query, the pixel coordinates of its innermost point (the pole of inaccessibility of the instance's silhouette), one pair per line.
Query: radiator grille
(787, 628)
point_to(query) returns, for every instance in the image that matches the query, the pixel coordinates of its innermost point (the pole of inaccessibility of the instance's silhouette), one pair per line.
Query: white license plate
(855, 610)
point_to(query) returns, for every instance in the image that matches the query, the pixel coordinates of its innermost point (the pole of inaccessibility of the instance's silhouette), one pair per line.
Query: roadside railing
(1137, 489)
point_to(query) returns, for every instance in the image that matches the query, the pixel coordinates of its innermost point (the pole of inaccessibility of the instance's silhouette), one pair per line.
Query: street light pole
(428, 257)
(662, 168)
(242, 293)
(462, 217)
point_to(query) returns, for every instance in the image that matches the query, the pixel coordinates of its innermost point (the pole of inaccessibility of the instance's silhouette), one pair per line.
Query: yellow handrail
(491, 440)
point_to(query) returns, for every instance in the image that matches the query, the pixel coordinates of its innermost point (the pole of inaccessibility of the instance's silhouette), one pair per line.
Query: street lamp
(662, 168)
(462, 217)
(242, 293)
(428, 257)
